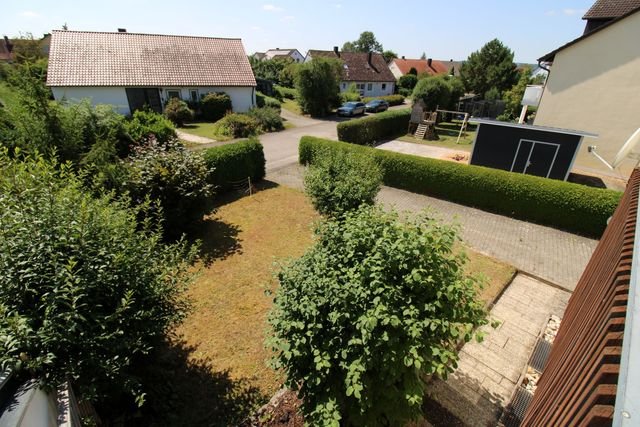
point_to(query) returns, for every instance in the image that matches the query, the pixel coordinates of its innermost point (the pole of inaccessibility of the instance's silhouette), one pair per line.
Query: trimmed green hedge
(263, 100)
(234, 162)
(286, 92)
(391, 99)
(559, 204)
(371, 129)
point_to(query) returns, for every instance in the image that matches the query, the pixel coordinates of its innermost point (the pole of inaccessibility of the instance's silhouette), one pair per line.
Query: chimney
(402, 56)
(429, 62)
(7, 43)
(369, 58)
(336, 51)
(122, 30)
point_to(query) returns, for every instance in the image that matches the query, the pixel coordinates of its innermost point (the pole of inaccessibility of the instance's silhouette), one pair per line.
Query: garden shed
(534, 150)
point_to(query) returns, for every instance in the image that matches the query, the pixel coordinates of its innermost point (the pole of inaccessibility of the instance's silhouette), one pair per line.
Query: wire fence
(243, 186)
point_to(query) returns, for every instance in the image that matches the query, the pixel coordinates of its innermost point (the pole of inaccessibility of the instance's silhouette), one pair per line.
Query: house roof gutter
(627, 405)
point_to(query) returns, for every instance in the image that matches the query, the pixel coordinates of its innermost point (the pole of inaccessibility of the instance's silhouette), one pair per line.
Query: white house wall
(242, 98)
(395, 70)
(376, 88)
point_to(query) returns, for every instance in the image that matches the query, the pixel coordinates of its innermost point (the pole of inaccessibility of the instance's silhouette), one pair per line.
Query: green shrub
(339, 182)
(237, 125)
(434, 92)
(560, 204)
(391, 99)
(287, 76)
(176, 179)
(352, 94)
(86, 294)
(374, 307)
(145, 125)
(286, 92)
(214, 106)
(317, 84)
(234, 162)
(369, 130)
(405, 92)
(408, 81)
(178, 112)
(263, 100)
(268, 118)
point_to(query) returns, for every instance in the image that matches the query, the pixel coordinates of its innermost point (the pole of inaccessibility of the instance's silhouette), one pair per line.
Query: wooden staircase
(421, 130)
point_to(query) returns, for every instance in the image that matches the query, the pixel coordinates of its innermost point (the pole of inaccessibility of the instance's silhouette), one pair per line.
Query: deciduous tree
(490, 67)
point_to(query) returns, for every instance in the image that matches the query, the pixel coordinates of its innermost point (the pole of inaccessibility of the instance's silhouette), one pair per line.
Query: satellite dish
(627, 148)
(625, 152)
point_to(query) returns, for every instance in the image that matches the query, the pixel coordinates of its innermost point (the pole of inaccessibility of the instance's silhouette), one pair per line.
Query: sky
(442, 29)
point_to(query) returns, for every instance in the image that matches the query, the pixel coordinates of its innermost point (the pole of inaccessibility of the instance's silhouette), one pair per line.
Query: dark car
(351, 109)
(377, 105)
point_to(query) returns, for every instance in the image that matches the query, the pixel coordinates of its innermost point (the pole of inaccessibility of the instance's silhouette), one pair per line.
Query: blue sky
(443, 29)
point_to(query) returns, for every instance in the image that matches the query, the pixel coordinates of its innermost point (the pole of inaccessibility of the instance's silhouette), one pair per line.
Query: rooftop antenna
(627, 151)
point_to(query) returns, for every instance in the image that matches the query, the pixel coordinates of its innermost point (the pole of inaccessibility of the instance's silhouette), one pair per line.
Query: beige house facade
(594, 86)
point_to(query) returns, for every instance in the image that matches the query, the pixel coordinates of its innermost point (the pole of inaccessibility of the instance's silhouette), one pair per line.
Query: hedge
(234, 162)
(286, 92)
(371, 129)
(263, 100)
(391, 99)
(572, 207)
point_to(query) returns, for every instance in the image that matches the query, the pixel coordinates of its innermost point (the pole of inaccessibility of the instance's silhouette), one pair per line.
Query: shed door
(535, 157)
(139, 98)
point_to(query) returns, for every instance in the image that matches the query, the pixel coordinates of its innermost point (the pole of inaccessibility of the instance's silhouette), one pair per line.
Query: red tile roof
(610, 9)
(81, 58)
(357, 67)
(421, 65)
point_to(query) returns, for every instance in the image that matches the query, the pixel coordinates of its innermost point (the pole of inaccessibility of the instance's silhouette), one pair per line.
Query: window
(384, 86)
(344, 85)
(173, 93)
(360, 86)
(193, 93)
(369, 86)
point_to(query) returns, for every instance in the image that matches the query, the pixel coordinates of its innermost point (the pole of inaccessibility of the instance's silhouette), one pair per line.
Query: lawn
(448, 134)
(203, 129)
(226, 328)
(292, 106)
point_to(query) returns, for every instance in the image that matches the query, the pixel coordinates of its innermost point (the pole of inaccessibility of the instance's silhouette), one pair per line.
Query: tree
(27, 49)
(423, 56)
(389, 55)
(490, 67)
(340, 182)
(86, 292)
(373, 308)
(434, 91)
(513, 97)
(413, 71)
(318, 87)
(366, 43)
(408, 81)
(269, 69)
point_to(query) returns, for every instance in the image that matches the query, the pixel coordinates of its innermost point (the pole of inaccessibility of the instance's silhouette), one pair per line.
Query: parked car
(351, 109)
(377, 105)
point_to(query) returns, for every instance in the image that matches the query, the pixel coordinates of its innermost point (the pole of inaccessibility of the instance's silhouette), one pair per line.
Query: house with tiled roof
(401, 66)
(594, 82)
(294, 54)
(369, 72)
(131, 71)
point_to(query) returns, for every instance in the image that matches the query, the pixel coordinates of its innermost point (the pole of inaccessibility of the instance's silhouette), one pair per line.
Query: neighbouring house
(594, 82)
(276, 53)
(401, 66)
(367, 71)
(131, 71)
(453, 67)
(5, 50)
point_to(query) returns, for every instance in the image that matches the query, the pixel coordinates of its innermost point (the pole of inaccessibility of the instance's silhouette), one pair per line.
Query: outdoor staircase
(421, 130)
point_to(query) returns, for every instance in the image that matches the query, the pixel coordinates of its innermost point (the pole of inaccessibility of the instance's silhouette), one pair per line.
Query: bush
(237, 125)
(145, 125)
(287, 76)
(85, 293)
(339, 182)
(375, 306)
(214, 106)
(263, 100)
(234, 162)
(560, 204)
(408, 81)
(268, 118)
(391, 99)
(178, 112)
(318, 88)
(176, 179)
(352, 94)
(405, 92)
(286, 92)
(434, 92)
(371, 129)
